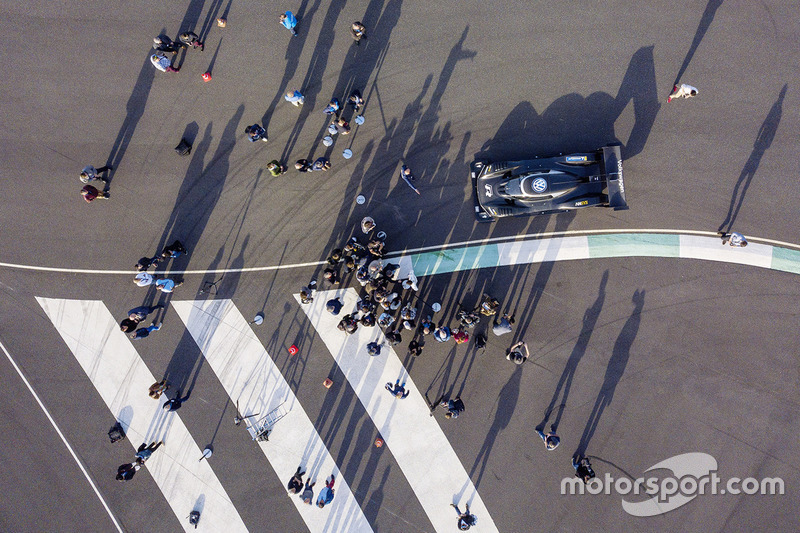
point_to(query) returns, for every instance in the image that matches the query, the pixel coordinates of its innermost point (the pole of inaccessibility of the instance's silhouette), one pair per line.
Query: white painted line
(63, 438)
(250, 376)
(122, 379)
(418, 444)
(446, 246)
(711, 249)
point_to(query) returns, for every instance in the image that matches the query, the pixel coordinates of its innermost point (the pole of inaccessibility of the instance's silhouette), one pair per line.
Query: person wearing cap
(551, 440)
(518, 353)
(256, 133)
(466, 519)
(91, 193)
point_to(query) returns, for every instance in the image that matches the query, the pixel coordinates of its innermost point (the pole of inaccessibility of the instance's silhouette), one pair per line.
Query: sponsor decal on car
(582, 202)
(576, 158)
(488, 190)
(539, 185)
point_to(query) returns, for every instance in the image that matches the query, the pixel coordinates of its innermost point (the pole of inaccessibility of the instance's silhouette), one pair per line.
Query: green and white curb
(684, 246)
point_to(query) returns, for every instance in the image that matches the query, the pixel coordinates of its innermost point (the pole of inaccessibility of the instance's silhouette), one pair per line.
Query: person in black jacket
(295, 484)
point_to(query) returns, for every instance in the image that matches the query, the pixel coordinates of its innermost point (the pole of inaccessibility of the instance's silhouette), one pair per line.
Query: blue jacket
(290, 21)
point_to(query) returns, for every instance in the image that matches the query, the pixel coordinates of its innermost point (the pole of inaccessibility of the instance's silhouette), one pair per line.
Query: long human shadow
(705, 22)
(614, 370)
(359, 63)
(135, 108)
(766, 134)
(506, 403)
(292, 58)
(565, 381)
(201, 189)
(312, 81)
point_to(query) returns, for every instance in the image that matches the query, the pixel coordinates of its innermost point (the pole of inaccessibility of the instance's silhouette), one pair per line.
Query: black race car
(548, 184)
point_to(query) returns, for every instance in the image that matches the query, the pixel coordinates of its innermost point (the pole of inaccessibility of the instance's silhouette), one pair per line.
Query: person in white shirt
(162, 62)
(682, 91)
(736, 240)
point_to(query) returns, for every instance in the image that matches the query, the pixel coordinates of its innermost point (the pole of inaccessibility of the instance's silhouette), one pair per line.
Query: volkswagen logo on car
(539, 185)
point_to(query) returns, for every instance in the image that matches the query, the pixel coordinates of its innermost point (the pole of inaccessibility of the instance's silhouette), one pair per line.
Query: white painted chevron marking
(122, 379)
(418, 444)
(250, 376)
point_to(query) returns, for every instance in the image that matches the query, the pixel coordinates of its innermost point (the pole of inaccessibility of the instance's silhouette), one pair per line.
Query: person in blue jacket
(289, 22)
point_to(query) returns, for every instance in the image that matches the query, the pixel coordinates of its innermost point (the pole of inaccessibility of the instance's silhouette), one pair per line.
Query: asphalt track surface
(659, 356)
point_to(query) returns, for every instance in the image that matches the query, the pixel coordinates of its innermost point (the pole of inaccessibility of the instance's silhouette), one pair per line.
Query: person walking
(465, 520)
(163, 62)
(518, 353)
(289, 21)
(735, 239)
(356, 100)
(358, 32)
(189, 38)
(176, 249)
(89, 174)
(136, 315)
(295, 484)
(125, 472)
(551, 440)
(308, 492)
(374, 348)
(256, 133)
(162, 43)
(295, 98)
(158, 388)
(167, 285)
(143, 279)
(682, 91)
(583, 468)
(405, 174)
(398, 391)
(145, 451)
(90, 193)
(333, 306)
(141, 333)
(332, 108)
(503, 326)
(275, 168)
(321, 164)
(454, 407)
(326, 494)
(303, 165)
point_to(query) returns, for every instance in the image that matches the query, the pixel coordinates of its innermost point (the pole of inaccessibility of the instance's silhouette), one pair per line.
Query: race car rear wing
(612, 159)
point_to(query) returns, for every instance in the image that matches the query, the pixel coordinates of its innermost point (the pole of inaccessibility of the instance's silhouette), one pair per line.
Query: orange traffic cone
(378, 442)
(207, 76)
(222, 22)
